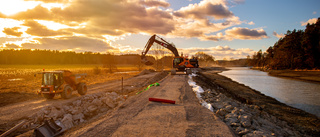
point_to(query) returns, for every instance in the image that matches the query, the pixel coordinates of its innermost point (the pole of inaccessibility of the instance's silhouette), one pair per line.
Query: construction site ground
(137, 116)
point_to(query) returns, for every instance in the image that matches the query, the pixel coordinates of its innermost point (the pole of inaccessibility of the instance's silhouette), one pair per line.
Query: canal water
(295, 93)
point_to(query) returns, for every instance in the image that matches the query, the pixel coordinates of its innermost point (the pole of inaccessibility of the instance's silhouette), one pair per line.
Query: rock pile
(78, 111)
(247, 120)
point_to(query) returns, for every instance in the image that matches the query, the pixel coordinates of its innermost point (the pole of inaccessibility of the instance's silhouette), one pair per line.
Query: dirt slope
(139, 117)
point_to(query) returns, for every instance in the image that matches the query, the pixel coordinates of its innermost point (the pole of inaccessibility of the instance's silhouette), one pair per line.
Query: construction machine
(62, 82)
(179, 63)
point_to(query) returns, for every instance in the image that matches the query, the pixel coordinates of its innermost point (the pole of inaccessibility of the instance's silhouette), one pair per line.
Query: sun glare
(10, 7)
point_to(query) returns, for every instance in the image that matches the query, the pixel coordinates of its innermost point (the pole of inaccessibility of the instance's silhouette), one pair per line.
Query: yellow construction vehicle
(62, 82)
(179, 63)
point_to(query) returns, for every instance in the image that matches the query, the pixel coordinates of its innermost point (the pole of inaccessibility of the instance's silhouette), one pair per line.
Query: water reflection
(299, 94)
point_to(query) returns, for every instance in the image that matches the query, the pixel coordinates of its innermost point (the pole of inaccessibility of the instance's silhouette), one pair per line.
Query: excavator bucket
(49, 129)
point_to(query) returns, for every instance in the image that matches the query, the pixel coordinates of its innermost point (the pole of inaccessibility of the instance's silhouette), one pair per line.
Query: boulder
(221, 112)
(77, 102)
(78, 117)
(108, 101)
(243, 132)
(76, 110)
(228, 108)
(217, 105)
(245, 120)
(92, 108)
(67, 121)
(55, 113)
(96, 102)
(235, 110)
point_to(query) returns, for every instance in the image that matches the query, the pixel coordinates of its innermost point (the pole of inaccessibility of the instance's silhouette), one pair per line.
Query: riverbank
(308, 75)
(305, 75)
(248, 112)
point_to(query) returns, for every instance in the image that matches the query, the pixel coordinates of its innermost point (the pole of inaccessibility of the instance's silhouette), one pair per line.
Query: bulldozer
(62, 82)
(179, 63)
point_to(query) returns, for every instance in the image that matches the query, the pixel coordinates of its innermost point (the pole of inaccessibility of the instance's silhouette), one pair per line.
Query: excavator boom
(160, 41)
(181, 63)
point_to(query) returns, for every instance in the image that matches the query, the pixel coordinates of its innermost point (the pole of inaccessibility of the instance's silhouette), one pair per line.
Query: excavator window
(47, 79)
(177, 61)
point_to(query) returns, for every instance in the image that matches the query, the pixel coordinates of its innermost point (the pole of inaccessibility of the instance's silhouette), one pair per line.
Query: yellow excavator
(179, 63)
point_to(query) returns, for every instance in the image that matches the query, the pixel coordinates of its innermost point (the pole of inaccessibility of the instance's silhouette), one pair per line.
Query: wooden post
(122, 84)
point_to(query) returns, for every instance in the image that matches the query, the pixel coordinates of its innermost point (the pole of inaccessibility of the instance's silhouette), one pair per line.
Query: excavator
(179, 63)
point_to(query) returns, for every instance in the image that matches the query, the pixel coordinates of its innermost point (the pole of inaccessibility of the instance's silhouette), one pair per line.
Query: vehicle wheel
(48, 96)
(188, 71)
(82, 88)
(67, 92)
(173, 71)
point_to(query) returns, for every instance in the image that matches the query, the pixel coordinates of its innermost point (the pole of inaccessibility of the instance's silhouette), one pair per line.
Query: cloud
(5, 40)
(205, 8)
(36, 29)
(2, 15)
(38, 12)
(251, 23)
(79, 44)
(220, 52)
(278, 35)
(12, 31)
(12, 46)
(155, 3)
(245, 33)
(50, 1)
(310, 21)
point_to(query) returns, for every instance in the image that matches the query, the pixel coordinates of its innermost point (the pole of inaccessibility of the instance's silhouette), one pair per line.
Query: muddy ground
(302, 121)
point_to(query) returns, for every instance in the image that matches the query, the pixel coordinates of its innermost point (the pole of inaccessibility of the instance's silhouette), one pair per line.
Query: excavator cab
(177, 62)
(51, 81)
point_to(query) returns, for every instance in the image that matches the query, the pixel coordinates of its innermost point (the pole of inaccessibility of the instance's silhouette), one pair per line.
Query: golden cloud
(36, 29)
(12, 31)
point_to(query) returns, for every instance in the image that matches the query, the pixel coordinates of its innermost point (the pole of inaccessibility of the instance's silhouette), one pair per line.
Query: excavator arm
(160, 41)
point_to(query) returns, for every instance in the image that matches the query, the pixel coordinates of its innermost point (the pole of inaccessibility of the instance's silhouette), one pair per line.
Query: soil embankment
(280, 119)
(313, 76)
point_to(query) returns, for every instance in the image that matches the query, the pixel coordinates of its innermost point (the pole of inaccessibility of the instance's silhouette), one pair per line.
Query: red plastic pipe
(162, 100)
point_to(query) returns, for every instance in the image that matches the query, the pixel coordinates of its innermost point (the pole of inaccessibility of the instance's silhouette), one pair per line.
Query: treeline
(297, 50)
(27, 56)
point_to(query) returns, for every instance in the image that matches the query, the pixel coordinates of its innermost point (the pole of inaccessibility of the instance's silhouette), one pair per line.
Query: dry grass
(20, 78)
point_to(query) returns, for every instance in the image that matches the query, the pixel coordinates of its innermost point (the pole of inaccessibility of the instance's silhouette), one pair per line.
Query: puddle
(15, 79)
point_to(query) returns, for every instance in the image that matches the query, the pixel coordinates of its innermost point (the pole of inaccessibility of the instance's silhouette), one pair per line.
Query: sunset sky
(222, 28)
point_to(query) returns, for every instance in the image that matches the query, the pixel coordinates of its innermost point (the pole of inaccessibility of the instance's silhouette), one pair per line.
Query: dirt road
(139, 117)
(11, 114)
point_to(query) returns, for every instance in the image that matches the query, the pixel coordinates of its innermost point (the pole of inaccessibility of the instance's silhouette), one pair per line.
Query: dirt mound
(145, 71)
(156, 78)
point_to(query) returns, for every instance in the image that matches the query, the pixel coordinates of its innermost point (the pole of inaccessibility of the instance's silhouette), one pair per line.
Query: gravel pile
(78, 111)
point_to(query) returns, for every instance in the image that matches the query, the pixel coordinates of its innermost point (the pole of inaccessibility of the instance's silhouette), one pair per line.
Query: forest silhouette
(296, 50)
